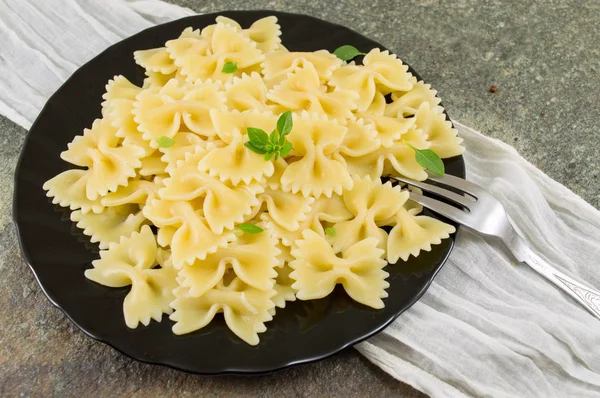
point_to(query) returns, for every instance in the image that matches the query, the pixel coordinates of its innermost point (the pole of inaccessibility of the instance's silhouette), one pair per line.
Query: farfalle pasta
(233, 162)
(320, 169)
(301, 90)
(371, 203)
(381, 73)
(133, 261)
(359, 268)
(241, 175)
(279, 64)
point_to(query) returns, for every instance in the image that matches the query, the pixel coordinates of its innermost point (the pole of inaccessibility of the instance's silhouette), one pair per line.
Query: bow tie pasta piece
(203, 275)
(413, 234)
(397, 159)
(164, 237)
(332, 210)
(110, 225)
(278, 65)
(285, 208)
(228, 124)
(406, 103)
(68, 189)
(223, 205)
(159, 111)
(188, 45)
(185, 181)
(377, 107)
(359, 270)
(234, 162)
(248, 92)
(162, 213)
(152, 165)
(410, 206)
(389, 129)
(118, 108)
(360, 139)
(157, 79)
(82, 149)
(302, 91)
(155, 60)
(227, 44)
(251, 257)
(440, 134)
(284, 291)
(265, 32)
(371, 204)
(380, 71)
(287, 237)
(132, 262)
(245, 309)
(197, 104)
(193, 239)
(320, 169)
(416, 137)
(284, 256)
(185, 143)
(136, 192)
(109, 163)
(119, 88)
(279, 166)
(413, 208)
(188, 53)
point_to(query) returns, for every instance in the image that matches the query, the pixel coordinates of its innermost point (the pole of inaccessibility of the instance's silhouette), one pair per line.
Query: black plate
(58, 253)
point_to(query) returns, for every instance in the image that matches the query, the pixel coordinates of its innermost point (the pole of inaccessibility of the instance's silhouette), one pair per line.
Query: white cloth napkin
(485, 327)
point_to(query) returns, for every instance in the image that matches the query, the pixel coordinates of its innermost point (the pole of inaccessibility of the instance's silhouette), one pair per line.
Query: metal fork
(478, 210)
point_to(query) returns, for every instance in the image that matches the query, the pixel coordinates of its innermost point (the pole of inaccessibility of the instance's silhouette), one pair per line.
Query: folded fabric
(486, 326)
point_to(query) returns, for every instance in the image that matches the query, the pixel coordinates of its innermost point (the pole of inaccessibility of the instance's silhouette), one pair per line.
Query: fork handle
(586, 296)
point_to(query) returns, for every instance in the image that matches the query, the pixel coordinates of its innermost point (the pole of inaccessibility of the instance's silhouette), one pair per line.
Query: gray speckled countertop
(543, 56)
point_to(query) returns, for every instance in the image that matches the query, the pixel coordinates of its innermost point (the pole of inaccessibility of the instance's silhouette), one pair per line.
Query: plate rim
(165, 361)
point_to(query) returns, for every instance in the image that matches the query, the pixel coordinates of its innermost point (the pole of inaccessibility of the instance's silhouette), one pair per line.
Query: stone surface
(543, 56)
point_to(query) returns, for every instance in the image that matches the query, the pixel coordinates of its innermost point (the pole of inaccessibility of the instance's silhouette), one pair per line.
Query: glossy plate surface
(58, 253)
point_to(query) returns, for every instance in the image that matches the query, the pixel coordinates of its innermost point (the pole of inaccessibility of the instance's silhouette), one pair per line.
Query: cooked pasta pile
(172, 155)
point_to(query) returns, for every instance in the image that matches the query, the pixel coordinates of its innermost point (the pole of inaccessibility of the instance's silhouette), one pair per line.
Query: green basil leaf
(347, 52)
(285, 149)
(258, 137)
(285, 123)
(429, 160)
(269, 155)
(330, 231)
(274, 137)
(249, 145)
(250, 228)
(165, 142)
(229, 67)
